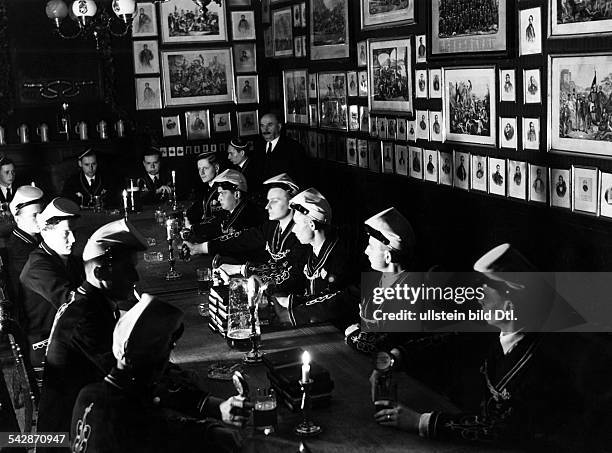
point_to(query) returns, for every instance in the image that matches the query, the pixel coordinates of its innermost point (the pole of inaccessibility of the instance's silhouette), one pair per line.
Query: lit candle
(125, 206)
(251, 290)
(305, 366)
(32, 184)
(173, 178)
(169, 230)
(132, 194)
(131, 185)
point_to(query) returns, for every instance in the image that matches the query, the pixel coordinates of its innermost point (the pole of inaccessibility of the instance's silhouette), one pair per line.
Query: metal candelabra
(254, 355)
(172, 273)
(307, 427)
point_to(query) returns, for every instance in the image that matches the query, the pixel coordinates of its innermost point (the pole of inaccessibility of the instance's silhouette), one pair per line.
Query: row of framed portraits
(198, 125)
(191, 150)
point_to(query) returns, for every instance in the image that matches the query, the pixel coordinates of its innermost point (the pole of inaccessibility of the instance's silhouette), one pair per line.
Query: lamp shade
(84, 8)
(56, 9)
(124, 7)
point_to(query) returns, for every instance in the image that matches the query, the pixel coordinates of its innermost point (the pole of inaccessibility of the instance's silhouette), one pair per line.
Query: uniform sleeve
(87, 336)
(71, 187)
(245, 243)
(48, 283)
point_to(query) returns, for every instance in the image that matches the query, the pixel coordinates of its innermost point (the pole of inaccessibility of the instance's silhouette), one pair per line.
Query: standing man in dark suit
(240, 157)
(7, 178)
(281, 154)
(154, 184)
(88, 182)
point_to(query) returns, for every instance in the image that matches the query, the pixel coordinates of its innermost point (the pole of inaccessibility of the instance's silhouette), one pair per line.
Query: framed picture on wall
(435, 84)
(362, 153)
(445, 168)
(312, 85)
(421, 83)
(421, 48)
(392, 129)
(313, 115)
(248, 123)
(381, 125)
(282, 32)
(387, 157)
(401, 160)
(212, 67)
(577, 80)
(243, 25)
(364, 118)
(146, 57)
(422, 125)
(530, 31)
(148, 93)
(411, 133)
(462, 170)
(497, 176)
(297, 47)
(560, 188)
(385, 13)
(416, 162)
(197, 124)
(508, 133)
(568, 21)
(585, 190)
(478, 31)
(537, 183)
(297, 18)
(332, 100)
(353, 87)
(222, 122)
(435, 126)
(401, 129)
(265, 11)
(363, 84)
(531, 133)
(145, 21)
(479, 174)
(507, 84)
(247, 89)
(351, 151)
(182, 21)
(605, 195)
(532, 91)
(171, 126)
(469, 105)
(430, 159)
(390, 76)
(362, 53)
(517, 179)
(353, 118)
(329, 30)
(374, 156)
(296, 96)
(245, 57)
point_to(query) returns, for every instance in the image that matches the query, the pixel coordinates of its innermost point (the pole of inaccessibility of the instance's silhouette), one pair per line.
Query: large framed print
(385, 13)
(282, 32)
(329, 30)
(332, 100)
(390, 76)
(566, 20)
(296, 96)
(579, 108)
(197, 76)
(469, 105)
(182, 21)
(470, 26)
(145, 21)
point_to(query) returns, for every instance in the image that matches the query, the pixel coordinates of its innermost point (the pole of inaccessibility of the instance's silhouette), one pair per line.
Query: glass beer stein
(239, 316)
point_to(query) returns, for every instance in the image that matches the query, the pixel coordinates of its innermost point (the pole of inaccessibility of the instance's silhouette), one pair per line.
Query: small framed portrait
(421, 48)
(416, 162)
(297, 47)
(537, 183)
(243, 25)
(422, 126)
(421, 83)
(148, 93)
(435, 84)
(585, 188)
(146, 57)
(401, 160)
(381, 126)
(497, 176)
(401, 129)
(180, 151)
(145, 21)
(304, 46)
(353, 117)
(282, 32)
(248, 123)
(445, 168)
(303, 14)
(530, 31)
(392, 129)
(247, 89)
(560, 188)
(197, 124)
(411, 130)
(245, 59)
(375, 156)
(508, 133)
(605, 204)
(188, 150)
(373, 126)
(507, 85)
(351, 151)
(362, 153)
(387, 157)
(297, 16)
(235, 3)
(313, 115)
(171, 126)
(532, 92)
(479, 173)
(362, 54)
(312, 85)
(517, 179)
(364, 118)
(172, 151)
(363, 84)
(462, 170)
(430, 159)
(531, 133)
(164, 151)
(222, 122)
(435, 126)
(353, 83)
(265, 11)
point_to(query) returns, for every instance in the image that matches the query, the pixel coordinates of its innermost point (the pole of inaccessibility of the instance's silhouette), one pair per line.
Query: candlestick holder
(172, 273)
(254, 355)
(307, 427)
(174, 202)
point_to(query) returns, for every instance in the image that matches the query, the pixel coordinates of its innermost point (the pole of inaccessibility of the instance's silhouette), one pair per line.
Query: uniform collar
(510, 340)
(25, 237)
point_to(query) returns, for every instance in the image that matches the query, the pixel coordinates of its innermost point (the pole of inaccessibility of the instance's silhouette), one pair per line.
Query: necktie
(269, 149)
(155, 180)
(8, 194)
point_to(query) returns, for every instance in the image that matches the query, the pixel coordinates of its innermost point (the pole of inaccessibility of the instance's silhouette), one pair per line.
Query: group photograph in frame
(146, 57)
(566, 21)
(197, 124)
(390, 76)
(560, 188)
(282, 32)
(247, 89)
(245, 57)
(517, 179)
(182, 21)
(248, 123)
(585, 190)
(530, 31)
(329, 30)
(469, 105)
(575, 84)
(383, 13)
(332, 100)
(148, 93)
(483, 29)
(507, 85)
(243, 25)
(295, 96)
(145, 21)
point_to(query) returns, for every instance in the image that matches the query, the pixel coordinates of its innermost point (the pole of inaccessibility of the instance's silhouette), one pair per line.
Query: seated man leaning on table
(205, 208)
(271, 242)
(534, 385)
(154, 184)
(88, 183)
(133, 410)
(328, 269)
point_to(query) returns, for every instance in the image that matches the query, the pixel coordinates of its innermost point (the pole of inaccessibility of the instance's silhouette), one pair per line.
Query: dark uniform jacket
(119, 415)
(18, 248)
(228, 225)
(79, 353)
(274, 255)
(288, 156)
(78, 183)
(148, 188)
(328, 276)
(4, 199)
(205, 205)
(252, 170)
(47, 282)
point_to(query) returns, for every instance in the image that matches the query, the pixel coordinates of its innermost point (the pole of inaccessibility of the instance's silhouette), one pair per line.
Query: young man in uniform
(154, 184)
(88, 183)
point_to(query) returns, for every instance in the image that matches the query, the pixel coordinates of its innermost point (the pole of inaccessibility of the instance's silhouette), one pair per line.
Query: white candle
(173, 178)
(168, 230)
(132, 185)
(251, 290)
(305, 366)
(33, 185)
(125, 205)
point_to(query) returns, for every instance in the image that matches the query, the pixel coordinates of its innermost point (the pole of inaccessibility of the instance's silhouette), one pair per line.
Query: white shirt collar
(5, 188)
(274, 143)
(89, 179)
(510, 340)
(241, 164)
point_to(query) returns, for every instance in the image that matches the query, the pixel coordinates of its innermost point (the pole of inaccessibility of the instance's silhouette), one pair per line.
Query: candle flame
(306, 358)
(124, 193)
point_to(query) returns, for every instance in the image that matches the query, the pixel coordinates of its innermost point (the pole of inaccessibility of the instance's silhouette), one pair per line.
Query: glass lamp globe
(56, 10)
(84, 10)
(124, 9)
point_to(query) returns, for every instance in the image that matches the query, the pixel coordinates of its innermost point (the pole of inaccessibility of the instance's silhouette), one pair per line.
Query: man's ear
(80, 164)
(508, 305)
(237, 194)
(388, 257)
(312, 225)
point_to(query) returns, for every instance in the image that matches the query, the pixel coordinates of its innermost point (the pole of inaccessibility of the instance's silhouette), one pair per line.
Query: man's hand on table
(230, 410)
(163, 189)
(401, 417)
(231, 269)
(196, 249)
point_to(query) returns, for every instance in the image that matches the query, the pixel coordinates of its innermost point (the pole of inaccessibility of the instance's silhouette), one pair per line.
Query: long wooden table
(348, 423)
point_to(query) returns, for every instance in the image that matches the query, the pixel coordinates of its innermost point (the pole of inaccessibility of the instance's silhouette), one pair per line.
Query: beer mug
(43, 132)
(22, 132)
(81, 129)
(120, 128)
(2, 136)
(102, 129)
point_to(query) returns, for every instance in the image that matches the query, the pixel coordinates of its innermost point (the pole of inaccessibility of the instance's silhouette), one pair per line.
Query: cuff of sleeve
(205, 248)
(209, 407)
(243, 270)
(424, 424)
